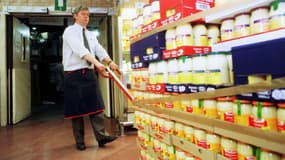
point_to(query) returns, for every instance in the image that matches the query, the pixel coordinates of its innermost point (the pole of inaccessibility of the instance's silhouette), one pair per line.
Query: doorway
(46, 71)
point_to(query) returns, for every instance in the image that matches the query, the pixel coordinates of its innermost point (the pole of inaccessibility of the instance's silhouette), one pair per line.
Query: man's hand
(113, 66)
(100, 67)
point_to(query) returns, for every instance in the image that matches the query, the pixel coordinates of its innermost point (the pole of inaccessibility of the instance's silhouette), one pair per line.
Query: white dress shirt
(74, 49)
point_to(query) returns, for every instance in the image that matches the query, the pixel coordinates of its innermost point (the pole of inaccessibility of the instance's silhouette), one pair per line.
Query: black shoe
(106, 139)
(80, 146)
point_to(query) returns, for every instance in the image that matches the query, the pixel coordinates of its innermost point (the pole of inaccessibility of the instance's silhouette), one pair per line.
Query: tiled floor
(49, 137)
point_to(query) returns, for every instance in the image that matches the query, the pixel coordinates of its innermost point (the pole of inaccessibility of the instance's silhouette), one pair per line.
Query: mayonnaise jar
(259, 20)
(277, 15)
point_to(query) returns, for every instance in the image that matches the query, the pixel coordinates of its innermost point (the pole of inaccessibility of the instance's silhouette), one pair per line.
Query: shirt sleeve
(75, 42)
(100, 52)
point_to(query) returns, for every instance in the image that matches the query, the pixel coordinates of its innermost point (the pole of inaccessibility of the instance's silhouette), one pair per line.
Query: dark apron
(82, 95)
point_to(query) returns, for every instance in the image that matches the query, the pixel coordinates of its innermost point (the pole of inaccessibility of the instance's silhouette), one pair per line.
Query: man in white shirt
(82, 96)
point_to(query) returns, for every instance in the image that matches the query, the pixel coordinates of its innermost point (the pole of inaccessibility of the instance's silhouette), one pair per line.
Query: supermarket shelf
(260, 37)
(266, 139)
(213, 15)
(230, 91)
(233, 8)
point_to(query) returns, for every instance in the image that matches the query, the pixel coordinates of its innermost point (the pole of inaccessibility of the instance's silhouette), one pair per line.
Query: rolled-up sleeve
(100, 52)
(75, 43)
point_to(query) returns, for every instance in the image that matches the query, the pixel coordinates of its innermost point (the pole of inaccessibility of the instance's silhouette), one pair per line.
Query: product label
(233, 155)
(173, 78)
(202, 40)
(243, 157)
(179, 133)
(159, 78)
(211, 113)
(281, 126)
(261, 25)
(266, 124)
(242, 120)
(199, 77)
(169, 105)
(229, 117)
(213, 147)
(185, 77)
(242, 30)
(189, 137)
(277, 21)
(227, 34)
(215, 77)
(184, 40)
(170, 44)
(202, 143)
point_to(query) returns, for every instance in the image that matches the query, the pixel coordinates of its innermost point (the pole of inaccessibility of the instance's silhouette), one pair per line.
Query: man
(81, 90)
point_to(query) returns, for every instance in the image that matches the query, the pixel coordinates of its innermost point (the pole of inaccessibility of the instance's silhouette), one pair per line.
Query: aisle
(50, 138)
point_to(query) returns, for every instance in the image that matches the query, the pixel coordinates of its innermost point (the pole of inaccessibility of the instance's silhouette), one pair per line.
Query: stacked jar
(200, 34)
(213, 142)
(172, 68)
(200, 138)
(199, 69)
(264, 116)
(213, 33)
(217, 66)
(147, 15)
(170, 38)
(245, 151)
(242, 110)
(225, 108)
(277, 15)
(155, 10)
(242, 25)
(185, 70)
(259, 20)
(184, 35)
(197, 106)
(227, 29)
(162, 72)
(229, 148)
(188, 133)
(210, 108)
(281, 117)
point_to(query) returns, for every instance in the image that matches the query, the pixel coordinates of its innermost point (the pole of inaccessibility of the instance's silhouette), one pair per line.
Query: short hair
(80, 8)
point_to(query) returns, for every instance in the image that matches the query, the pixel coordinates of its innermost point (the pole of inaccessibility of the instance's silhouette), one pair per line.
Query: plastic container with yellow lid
(277, 14)
(264, 116)
(155, 10)
(225, 108)
(259, 20)
(242, 111)
(281, 117)
(242, 25)
(227, 29)
(185, 70)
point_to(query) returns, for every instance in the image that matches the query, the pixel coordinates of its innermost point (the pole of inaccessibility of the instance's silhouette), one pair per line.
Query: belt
(82, 71)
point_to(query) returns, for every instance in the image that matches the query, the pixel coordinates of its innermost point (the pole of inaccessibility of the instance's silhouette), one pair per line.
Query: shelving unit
(269, 139)
(213, 15)
(272, 140)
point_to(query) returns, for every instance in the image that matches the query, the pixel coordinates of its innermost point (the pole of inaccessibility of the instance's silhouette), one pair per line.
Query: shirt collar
(79, 26)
